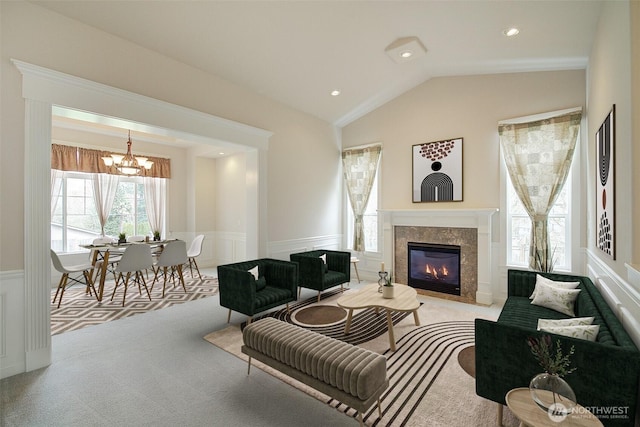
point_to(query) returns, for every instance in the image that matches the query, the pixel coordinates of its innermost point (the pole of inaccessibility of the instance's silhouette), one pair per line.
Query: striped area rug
(427, 386)
(79, 310)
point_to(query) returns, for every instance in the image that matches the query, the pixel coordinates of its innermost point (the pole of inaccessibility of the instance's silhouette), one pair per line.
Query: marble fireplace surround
(469, 228)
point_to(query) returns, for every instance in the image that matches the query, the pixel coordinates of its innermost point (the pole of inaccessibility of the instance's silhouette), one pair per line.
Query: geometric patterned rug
(79, 310)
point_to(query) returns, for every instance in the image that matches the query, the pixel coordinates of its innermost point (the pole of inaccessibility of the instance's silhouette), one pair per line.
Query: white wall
(230, 218)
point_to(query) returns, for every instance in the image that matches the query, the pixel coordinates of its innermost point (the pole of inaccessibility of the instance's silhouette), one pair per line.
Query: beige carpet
(427, 385)
(79, 310)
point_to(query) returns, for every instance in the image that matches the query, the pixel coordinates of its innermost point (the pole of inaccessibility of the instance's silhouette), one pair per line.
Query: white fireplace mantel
(480, 219)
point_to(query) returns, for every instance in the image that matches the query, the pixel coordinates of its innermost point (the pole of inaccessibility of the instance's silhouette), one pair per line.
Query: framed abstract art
(605, 185)
(437, 171)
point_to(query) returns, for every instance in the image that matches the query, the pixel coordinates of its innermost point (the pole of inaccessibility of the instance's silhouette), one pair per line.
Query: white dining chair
(66, 271)
(173, 256)
(139, 239)
(194, 251)
(135, 259)
(114, 256)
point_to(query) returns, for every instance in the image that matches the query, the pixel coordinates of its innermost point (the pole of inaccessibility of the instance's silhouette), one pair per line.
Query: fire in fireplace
(434, 267)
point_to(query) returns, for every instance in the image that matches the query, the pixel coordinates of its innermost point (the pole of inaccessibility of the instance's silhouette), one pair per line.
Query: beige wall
(34, 35)
(609, 82)
(468, 107)
(635, 132)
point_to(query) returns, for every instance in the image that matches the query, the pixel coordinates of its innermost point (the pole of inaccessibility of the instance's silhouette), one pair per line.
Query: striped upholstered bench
(349, 374)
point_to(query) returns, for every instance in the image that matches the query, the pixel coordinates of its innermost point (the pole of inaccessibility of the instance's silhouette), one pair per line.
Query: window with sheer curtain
(538, 152)
(519, 228)
(360, 166)
(75, 219)
(369, 221)
(88, 200)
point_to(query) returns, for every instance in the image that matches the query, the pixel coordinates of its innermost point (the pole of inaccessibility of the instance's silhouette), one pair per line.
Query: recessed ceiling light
(406, 54)
(221, 153)
(335, 93)
(511, 32)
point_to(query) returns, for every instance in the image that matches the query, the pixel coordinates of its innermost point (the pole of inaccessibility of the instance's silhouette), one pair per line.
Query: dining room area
(119, 194)
(120, 280)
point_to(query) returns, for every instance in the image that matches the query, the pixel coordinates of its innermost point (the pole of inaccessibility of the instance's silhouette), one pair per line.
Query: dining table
(102, 252)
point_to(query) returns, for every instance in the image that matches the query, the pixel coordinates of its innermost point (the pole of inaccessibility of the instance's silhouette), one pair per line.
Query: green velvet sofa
(606, 380)
(314, 274)
(240, 291)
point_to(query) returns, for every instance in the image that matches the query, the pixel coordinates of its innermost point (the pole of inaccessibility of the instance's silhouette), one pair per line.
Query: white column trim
(37, 232)
(87, 96)
(44, 89)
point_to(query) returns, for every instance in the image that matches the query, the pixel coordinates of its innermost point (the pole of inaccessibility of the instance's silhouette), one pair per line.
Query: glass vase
(383, 280)
(552, 394)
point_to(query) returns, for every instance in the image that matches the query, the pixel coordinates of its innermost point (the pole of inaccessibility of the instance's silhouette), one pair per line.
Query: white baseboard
(12, 339)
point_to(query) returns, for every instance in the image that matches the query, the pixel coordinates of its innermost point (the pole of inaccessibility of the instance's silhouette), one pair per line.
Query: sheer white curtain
(538, 154)
(154, 195)
(360, 166)
(104, 191)
(56, 188)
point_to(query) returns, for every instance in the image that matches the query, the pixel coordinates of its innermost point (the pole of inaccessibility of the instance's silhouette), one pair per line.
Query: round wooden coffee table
(404, 299)
(521, 403)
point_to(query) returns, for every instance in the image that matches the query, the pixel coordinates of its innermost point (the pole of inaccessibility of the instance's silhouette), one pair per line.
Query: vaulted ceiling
(298, 52)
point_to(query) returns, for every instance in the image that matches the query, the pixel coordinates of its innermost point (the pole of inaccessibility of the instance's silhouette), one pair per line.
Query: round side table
(521, 403)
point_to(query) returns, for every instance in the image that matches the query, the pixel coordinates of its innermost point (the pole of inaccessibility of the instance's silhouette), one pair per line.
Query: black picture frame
(605, 185)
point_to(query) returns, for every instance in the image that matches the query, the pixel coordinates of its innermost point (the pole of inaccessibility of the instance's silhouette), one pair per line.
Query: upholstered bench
(349, 374)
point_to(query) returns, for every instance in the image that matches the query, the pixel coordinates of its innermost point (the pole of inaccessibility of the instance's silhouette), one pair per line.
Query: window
(558, 225)
(128, 213)
(75, 220)
(370, 220)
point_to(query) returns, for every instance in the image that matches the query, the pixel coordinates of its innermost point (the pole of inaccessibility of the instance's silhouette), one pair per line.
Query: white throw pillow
(549, 282)
(254, 271)
(574, 321)
(583, 332)
(557, 299)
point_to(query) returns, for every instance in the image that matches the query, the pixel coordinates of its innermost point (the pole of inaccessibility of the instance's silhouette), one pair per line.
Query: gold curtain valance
(68, 158)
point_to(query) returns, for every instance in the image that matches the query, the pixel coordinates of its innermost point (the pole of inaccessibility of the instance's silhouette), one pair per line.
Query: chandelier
(127, 164)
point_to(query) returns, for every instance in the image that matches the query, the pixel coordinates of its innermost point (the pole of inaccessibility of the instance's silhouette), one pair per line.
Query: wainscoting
(283, 248)
(623, 296)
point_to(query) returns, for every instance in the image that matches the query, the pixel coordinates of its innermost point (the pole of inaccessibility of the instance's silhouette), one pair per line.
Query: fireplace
(434, 267)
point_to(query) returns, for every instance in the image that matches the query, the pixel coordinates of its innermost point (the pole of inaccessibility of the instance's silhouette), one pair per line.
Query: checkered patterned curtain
(360, 166)
(538, 156)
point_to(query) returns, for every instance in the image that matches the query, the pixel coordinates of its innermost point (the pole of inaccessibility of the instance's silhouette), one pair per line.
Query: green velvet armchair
(315, 274)
(240, 291)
